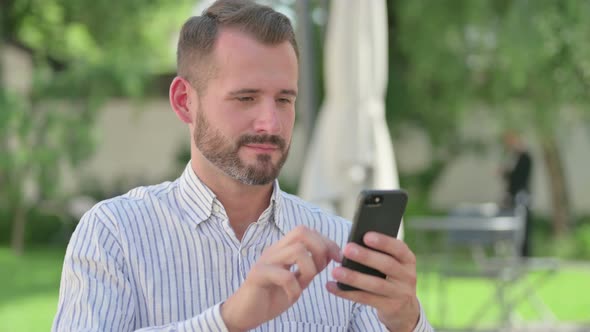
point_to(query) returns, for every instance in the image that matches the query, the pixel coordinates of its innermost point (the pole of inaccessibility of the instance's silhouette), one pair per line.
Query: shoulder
(123, 209)
(300, 212)
(111, 226)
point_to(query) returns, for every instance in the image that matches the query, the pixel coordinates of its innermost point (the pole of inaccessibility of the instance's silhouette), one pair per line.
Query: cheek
(288, 122)
(233, 127)
(221, 118)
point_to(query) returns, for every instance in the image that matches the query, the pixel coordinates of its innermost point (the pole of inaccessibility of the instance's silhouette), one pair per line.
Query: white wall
(474, 177)
(16, 68)
(137, 143)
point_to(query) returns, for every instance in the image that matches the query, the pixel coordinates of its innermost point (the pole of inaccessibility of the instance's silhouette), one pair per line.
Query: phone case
(380, 211)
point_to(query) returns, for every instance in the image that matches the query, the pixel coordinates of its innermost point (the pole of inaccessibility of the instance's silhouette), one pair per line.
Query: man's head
(512, 140)
(199, 34)
(236, 88)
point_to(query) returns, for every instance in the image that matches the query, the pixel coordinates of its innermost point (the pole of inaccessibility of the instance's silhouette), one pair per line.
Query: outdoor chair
(482, 242)
(492, 252)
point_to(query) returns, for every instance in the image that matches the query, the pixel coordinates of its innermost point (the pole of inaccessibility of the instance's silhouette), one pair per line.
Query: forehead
(234, 38)
(237, 55)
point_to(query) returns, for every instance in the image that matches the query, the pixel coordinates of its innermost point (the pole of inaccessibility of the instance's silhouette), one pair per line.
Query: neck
(518, 148)
(243, 203)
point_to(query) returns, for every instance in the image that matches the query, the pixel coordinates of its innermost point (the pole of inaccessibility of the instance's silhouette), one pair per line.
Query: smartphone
(378, 211)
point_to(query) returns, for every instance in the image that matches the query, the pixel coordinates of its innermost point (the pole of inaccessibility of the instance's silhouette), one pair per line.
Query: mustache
(262, 139)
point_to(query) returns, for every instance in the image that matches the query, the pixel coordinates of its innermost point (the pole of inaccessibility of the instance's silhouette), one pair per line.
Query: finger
(334, 251)
(395, 307)
(322, 249)
(286, 255)
(317, 249)
(295, 254)
(369, 283)
(391, 246)
(379, 261)
(306, 269)
(370, 299)
(269, 275)
(362, 297)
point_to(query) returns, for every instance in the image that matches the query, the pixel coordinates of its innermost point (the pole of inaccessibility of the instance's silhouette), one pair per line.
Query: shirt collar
(196, 198)
(288, 215)
(199, 201)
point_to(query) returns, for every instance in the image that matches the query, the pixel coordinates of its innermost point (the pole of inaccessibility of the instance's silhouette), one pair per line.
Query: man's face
(224, 153)
(245, 118)
(510, 141)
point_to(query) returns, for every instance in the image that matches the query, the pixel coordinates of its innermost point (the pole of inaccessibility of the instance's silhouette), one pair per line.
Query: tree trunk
(19, 222)
(560, 202)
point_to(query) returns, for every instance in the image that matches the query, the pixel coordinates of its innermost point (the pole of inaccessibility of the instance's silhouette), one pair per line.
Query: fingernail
(372, 238)
(339, 273)
(353, 251)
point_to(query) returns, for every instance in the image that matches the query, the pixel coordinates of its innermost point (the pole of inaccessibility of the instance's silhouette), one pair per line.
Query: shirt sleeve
(208, 321)
(423, 324)
(95, 291)
(365, 319)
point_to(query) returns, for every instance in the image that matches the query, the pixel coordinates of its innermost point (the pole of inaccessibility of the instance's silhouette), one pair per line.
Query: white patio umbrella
(351, 147)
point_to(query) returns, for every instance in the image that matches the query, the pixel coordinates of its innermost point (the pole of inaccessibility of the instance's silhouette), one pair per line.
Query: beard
(224, 154)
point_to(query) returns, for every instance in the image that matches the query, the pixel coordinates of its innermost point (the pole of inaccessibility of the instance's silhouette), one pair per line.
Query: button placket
(241, 262)
(249, 244)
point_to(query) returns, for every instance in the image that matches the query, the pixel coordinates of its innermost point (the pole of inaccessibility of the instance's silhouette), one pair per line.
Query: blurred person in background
(222, 248)
(516, 174)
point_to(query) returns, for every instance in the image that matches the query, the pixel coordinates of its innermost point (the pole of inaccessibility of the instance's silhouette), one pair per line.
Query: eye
(284, 100)
(245, 99)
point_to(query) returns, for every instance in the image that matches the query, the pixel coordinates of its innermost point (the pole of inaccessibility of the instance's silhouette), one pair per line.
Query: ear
(180, 99)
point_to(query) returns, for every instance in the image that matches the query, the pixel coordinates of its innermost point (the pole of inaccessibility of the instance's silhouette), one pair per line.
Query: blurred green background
(81, 78)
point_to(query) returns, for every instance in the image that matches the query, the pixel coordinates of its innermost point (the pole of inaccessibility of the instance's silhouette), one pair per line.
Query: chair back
(503, 242)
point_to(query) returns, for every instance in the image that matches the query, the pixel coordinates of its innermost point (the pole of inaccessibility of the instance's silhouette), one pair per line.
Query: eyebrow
(289, 92)
(246, 91)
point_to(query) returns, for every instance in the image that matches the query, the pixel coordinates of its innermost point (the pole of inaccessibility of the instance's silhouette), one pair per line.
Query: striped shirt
(164, 258)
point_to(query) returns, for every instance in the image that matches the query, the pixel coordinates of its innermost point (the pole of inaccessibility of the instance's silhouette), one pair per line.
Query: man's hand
(394, 297)
(271, 287)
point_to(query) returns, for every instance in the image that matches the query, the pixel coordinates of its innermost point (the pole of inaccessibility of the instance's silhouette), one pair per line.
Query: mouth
(262, 148)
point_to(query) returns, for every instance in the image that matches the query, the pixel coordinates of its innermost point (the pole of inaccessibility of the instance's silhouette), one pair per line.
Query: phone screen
(379, 211)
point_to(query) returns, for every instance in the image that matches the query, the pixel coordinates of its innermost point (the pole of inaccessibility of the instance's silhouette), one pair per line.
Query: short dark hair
(199, 33)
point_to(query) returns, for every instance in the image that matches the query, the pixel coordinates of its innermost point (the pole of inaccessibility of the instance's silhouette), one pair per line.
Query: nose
(267, 119)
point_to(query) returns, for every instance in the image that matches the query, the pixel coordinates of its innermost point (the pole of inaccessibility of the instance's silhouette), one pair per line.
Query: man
(517, 174)
(223, 248)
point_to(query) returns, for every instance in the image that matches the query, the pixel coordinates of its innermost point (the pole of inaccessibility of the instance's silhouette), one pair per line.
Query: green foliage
(82, 52)
(527, 63)
(423, 80)
(524, 59)
(97, 32)
(46, 230)
(574, 246)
